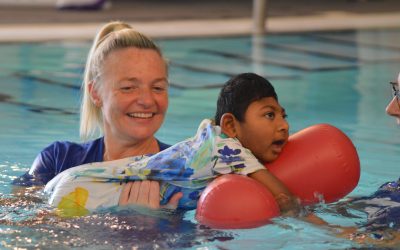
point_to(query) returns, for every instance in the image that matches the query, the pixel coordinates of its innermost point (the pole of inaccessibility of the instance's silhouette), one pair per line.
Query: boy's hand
(289, 205)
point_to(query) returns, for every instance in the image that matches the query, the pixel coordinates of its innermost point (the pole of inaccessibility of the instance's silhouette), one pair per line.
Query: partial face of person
(393, 108)
(134, 93)
(265, 130)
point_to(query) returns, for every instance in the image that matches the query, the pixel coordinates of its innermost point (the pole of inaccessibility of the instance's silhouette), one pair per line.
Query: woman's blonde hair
(111, 37)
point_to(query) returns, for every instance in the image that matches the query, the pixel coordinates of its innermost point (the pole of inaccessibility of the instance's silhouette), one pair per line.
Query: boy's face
(264, 130)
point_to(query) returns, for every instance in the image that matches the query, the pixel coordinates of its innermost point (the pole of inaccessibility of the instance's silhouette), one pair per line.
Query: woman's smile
(141, 115)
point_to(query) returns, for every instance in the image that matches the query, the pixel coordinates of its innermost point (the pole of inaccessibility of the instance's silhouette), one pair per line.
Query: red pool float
(236, 201)
(318, 164)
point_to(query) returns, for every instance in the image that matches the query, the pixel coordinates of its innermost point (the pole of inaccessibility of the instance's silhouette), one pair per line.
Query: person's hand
(147, 194)
(288, 204)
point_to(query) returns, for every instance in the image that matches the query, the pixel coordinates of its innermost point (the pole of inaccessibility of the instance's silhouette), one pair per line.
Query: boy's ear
(94, 95)
(227, 123)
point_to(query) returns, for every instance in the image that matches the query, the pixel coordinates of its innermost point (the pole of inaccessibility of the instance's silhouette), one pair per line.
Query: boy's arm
(288, 204)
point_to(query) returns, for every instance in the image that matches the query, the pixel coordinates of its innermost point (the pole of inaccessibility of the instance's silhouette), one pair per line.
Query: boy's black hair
(239, 92)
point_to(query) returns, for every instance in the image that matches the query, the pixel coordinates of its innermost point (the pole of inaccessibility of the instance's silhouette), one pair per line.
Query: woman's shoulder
(74, 153)
(163, 145)
(70, 147)
(59, 156)
(78, 145)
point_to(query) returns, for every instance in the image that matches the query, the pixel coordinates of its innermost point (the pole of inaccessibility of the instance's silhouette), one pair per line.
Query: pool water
(340, 78)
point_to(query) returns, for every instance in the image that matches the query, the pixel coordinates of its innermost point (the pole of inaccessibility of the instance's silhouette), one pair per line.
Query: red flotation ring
(236, 201)
(319, 163)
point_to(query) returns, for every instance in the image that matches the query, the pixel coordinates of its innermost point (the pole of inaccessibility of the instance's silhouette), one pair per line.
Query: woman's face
(393, 108)
(133, 94)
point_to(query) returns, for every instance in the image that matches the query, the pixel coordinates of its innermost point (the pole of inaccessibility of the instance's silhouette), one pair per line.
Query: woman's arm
(288, 204)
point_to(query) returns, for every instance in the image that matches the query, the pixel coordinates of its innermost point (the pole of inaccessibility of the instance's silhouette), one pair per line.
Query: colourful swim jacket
(186, 167)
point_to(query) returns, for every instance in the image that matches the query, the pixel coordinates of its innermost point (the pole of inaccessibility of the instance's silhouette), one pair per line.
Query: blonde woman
(125, 99)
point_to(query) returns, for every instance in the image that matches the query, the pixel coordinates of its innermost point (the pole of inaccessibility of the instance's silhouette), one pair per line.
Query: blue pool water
(339, 78)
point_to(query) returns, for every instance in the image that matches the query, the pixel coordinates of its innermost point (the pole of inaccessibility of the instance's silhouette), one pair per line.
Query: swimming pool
(339, 78)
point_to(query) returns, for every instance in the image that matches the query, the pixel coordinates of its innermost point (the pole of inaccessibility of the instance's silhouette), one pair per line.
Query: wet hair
(111, 37)
(239, 92)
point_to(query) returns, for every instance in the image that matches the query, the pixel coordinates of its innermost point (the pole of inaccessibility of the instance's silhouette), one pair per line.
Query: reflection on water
(27, 222)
